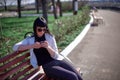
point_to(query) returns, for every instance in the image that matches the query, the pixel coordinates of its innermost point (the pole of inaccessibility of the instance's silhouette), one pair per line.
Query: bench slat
(11, 63)
(12, 71)
(9, 56)
(39, 77)
(29, 75)
(21, 73)
(48, 78)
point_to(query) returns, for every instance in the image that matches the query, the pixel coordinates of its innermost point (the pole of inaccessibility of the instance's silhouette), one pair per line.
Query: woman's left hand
(51, 51)
(44, 44)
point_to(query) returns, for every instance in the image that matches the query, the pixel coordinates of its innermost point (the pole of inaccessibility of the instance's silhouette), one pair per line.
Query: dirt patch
(8, 14)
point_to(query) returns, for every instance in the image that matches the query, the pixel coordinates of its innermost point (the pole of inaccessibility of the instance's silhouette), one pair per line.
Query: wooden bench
(97, 19)
(16, 66)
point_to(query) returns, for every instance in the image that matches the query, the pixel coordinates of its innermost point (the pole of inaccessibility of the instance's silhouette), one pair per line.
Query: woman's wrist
(50, 50)
(47, 47)
(23, 47)
(32, 46)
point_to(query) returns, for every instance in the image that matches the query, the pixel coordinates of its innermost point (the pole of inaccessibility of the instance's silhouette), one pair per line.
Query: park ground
(98, 54)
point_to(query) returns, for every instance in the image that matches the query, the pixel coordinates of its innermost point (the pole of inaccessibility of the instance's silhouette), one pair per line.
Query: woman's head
(39, 26)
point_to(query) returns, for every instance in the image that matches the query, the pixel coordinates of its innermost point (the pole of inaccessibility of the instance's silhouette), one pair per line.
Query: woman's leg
(61, 73)
(61, 70)
(69, 67)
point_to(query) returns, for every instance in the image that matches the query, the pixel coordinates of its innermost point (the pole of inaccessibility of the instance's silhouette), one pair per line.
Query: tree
(37, 5)
(75, 7)
(54, 9)
(60, 7)
(5, 3)
(19, 8)
(44, 9)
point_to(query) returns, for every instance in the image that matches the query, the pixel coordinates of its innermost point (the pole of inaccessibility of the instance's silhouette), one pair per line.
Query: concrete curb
(77, 40)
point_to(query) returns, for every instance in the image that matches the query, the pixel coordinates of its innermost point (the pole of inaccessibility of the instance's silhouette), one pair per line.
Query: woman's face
(40, 31)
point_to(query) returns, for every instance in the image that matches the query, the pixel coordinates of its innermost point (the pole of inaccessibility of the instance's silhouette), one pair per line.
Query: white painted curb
(77, 40)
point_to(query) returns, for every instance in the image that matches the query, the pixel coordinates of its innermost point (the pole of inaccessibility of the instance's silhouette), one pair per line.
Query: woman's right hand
(36, 45)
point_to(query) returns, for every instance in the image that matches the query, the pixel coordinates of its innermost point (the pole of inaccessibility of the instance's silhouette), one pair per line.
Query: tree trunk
(5, 5)
(44, 9)
(19, 8)
(37, 5)
(54, 9)
(60, 6)
(75, 7)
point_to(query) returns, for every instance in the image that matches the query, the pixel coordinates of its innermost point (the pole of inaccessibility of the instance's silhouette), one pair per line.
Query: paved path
(98, 54)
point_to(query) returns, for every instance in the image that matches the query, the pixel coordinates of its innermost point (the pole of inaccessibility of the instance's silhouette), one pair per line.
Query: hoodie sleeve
(27, 41)
(23, 42)
(54, 46)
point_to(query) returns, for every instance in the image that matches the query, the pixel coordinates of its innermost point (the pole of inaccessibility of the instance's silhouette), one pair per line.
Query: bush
(66, 25)
(64, 28)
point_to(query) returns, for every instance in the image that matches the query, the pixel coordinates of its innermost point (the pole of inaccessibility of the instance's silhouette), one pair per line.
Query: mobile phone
(41, 41)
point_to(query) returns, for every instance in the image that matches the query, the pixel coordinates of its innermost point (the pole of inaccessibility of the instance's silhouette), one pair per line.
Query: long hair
(41, 22)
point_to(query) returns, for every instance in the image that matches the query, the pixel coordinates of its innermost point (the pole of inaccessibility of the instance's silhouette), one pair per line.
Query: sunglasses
(40, 30)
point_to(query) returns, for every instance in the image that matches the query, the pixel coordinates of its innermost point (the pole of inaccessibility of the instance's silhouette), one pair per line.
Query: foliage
(67, 25)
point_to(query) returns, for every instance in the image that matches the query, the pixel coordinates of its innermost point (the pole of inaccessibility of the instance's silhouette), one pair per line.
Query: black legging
(62, 70)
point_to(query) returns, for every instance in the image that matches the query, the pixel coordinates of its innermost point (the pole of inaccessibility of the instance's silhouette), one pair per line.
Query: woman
(44, 51)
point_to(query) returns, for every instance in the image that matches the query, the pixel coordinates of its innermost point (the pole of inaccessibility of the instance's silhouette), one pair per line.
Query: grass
(12, 30)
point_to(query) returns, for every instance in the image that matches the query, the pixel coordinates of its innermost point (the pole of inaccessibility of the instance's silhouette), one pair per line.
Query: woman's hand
(44, 44)
(36, 45)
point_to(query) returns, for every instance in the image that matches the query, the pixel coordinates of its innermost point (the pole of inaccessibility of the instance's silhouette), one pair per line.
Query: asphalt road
(98, 54)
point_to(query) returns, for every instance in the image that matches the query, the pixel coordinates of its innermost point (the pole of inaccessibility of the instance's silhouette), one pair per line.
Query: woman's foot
(78, 70)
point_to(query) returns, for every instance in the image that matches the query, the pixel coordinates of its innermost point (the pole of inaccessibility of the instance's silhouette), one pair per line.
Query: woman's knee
(73, 76)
